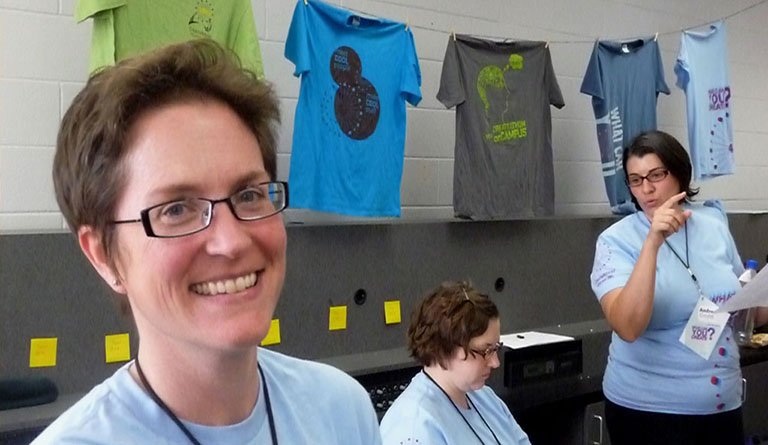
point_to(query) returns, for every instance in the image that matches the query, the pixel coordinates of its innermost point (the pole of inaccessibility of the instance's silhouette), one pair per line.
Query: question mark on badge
(711, 332)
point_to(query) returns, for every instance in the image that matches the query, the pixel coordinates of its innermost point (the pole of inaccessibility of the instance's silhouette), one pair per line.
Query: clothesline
(591, 41)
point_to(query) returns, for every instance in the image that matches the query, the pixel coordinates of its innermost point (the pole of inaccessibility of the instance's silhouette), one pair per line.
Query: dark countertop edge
(35, 416)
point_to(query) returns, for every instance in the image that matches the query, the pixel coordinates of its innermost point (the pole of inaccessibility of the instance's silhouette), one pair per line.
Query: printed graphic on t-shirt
(720, 142)
(356, 102)
(610, 137)
(602, 269)
(201, 21)
(495, 96)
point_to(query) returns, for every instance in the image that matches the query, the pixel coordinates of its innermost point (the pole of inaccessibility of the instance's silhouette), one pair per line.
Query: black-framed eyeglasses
(655, 175)
(183, 217)
(489, 351)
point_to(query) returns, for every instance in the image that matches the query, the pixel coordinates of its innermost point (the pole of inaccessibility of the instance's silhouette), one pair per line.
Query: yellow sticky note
(273, 335)
(42, 352)
(117, 348)
(392, 311)
(337, 318)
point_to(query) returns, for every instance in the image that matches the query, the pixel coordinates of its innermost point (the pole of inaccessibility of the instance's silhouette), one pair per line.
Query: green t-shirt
(122, 29)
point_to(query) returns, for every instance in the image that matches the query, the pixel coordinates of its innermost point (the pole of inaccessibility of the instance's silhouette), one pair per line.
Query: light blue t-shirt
(349, 131)
(624, 80)
(312, 403)
(702, 72)
(422, 414)
(657, 372)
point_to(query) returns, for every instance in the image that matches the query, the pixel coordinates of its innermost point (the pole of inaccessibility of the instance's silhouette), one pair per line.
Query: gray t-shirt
(502, 92)
(624, 80)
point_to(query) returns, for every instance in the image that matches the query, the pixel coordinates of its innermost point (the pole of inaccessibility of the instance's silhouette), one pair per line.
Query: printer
(539, 356)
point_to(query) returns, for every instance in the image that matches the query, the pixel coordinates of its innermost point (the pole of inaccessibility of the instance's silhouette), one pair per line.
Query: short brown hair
(88, 170)
(670, 152)
(448, 317)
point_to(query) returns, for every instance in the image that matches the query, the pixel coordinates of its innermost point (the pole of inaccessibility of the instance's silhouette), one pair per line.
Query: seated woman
(454, 334)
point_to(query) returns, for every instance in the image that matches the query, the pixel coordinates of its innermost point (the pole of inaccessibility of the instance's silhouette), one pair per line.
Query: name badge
(704, 328)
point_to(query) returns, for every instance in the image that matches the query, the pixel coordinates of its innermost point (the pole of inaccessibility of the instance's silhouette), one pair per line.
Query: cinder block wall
(44, 55)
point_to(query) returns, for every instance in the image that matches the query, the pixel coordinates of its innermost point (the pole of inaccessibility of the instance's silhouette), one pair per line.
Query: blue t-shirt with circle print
(657, 372)
(356, 74)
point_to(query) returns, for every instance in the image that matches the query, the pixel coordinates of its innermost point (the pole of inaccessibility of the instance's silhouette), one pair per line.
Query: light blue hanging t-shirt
(312, 403)
(702, 72)
(624, 80)
(356, 74)
(422, 414)
(657, 372)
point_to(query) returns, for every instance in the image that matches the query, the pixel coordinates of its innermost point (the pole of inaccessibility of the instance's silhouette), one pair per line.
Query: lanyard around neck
(181, 425)
(472, 405)
(687, 262)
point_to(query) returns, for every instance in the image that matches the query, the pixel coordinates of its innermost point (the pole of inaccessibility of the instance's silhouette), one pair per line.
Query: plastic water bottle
(744, 319)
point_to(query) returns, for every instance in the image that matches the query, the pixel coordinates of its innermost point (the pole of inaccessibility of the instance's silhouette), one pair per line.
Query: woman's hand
(668, 218)
(628, 309)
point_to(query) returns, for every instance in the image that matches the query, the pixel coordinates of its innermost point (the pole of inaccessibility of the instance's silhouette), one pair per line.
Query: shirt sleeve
(246, 41)
(86, 9)
(555, 95)
(297, 42)
(451, 92)
(593, 80)
(682, 67)
(363, 408)
(661, 84)
(612, 266)
(521, 438)
(102, 41)
(411, 76)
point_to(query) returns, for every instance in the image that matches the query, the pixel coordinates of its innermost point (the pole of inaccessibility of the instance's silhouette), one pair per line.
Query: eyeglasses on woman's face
(655, 175)
(489, 351)
(184, 217)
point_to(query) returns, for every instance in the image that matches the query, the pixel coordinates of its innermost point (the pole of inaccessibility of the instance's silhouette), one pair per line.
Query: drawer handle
(599, 430)
(743, 390)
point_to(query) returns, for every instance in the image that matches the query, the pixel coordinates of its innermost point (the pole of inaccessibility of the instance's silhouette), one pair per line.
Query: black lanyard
(183, 428)
(472, 405)
(687, 262)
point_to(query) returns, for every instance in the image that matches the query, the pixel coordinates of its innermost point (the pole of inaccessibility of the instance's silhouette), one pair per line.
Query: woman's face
(650, 195)
(471, 374)
(190, 150)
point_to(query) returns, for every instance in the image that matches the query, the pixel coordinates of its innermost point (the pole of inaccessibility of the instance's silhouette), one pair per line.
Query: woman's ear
(93, 248)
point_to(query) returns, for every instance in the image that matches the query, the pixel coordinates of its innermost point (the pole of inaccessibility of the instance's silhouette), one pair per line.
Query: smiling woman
(165, 168)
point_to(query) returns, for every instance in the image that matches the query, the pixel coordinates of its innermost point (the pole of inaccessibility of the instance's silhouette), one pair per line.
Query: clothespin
(305, 3)
(656, 37)
(407, 22)
(546, 45)
(453, 34)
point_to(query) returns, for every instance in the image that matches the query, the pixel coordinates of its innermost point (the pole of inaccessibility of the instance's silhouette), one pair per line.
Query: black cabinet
(755, 405)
